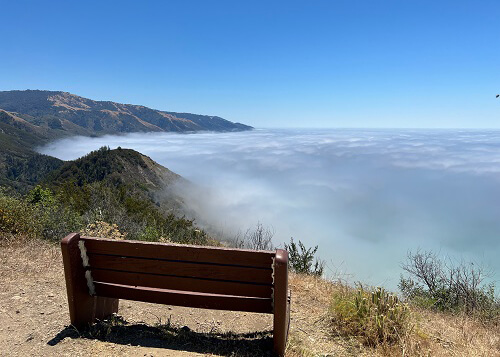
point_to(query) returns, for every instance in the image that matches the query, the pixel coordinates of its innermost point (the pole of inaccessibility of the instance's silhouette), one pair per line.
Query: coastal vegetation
(122, 194)
(366, 318)
(111, 187)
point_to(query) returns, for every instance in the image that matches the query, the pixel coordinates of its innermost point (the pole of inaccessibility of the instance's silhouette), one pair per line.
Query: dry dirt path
(34, 318)
(34, 321)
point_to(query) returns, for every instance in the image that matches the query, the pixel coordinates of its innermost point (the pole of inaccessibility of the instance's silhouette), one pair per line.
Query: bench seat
(99, 272)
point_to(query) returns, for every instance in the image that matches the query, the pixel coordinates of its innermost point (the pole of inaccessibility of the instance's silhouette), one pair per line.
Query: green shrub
(375, 317)
(38, 214)
(15, 215)
(150, 234)
(301, 259)
(52, 219)
(73, 208)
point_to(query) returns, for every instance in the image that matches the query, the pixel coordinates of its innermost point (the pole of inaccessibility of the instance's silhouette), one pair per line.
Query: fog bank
(365, 197)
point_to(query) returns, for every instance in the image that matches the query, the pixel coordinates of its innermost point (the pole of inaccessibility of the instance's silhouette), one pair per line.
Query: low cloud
(365, 196)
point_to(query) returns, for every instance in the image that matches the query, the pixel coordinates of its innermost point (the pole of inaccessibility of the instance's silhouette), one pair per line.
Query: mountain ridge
(63, 113)
(30, 118)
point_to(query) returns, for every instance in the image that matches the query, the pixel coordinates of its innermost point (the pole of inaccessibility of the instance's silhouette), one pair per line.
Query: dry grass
(23, 254)
(375, 317)
(458, 335)
(427, 333)
(35, 265)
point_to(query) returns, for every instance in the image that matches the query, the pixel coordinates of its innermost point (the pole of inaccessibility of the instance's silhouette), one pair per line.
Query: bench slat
(176, 268)
(259, 259)
(182, 283)
(188, 299)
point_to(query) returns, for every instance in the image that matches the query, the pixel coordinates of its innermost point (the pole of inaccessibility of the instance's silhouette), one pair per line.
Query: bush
(38, 214)
(448, 286)
(376, 317)
(103, 229)
(15, 215)
(259, 238)
(301, 259)
(52, 219)
(97, 209)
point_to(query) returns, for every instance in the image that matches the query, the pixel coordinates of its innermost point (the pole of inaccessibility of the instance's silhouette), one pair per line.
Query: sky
(320, 64)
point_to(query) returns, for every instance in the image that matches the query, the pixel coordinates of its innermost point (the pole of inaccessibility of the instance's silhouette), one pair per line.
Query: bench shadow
(119, 331)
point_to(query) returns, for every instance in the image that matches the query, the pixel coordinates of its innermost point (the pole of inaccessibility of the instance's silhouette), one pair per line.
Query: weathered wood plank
(177, 268)
(181, 298)
(182, 283)
(83, 308)
(229, 256)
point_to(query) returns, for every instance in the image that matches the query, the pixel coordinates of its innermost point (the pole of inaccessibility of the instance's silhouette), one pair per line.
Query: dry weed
(427, 333)
(24, 254)
(104, 230)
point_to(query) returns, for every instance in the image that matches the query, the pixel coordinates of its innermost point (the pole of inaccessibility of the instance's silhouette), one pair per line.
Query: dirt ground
(34, 318)
(34, 321)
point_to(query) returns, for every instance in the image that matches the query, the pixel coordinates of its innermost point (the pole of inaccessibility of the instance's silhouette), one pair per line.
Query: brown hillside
(65, 114)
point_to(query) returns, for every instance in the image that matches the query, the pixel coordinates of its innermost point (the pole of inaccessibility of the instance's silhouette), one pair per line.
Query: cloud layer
(365, 197)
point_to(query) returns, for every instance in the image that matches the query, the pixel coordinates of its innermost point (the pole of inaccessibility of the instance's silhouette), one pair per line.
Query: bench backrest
(185, 275)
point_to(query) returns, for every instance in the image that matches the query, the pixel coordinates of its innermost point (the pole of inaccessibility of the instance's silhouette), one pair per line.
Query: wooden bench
(98, 272)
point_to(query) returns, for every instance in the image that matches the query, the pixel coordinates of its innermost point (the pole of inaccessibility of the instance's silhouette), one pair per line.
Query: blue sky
(267, 63)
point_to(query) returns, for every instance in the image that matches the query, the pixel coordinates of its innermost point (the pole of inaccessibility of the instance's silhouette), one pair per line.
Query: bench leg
(281, 327)
(83, 308)
(281, 303)
(104, 307)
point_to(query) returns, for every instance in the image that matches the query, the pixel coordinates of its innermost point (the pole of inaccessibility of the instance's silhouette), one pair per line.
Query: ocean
(366, 197)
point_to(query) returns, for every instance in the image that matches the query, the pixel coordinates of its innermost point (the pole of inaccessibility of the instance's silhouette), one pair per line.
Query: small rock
(16, 297)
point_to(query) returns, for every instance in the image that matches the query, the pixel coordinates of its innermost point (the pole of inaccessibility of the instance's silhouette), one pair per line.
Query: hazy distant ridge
(64, 113)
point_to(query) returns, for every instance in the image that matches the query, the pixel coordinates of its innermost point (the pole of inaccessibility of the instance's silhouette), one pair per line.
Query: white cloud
(365, 196)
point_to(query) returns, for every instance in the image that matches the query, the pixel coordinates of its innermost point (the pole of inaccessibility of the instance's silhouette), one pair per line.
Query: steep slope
(63, 113)
(17, 134)
(33, 117)
(117, 167)
(21, 167)
(125, 179)
(125, 188)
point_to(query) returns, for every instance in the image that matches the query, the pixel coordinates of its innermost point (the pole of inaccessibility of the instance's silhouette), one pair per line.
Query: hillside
(32, 118)
(118, 167)
(57, 114)
(124, 188)
(34, 321)
(121, 190)
(20, 166)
